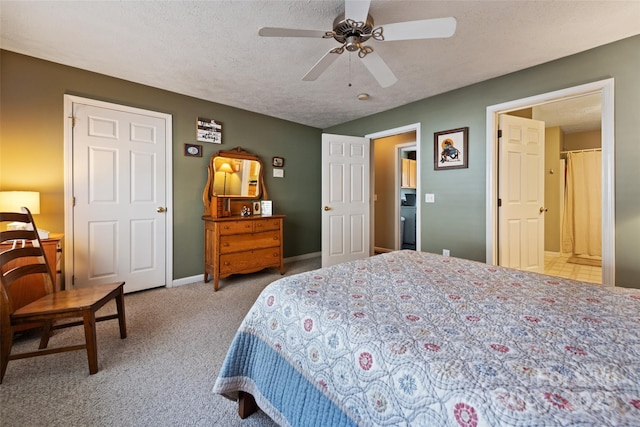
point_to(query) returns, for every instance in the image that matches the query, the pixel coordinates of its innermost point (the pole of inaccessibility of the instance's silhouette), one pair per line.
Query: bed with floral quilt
(415, 339)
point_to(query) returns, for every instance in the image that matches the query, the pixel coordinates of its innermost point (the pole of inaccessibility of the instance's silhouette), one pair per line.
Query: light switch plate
(278, 173)
(429, 198)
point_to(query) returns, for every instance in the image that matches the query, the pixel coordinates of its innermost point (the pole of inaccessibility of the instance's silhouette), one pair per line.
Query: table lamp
(14, 201)
(226, 168)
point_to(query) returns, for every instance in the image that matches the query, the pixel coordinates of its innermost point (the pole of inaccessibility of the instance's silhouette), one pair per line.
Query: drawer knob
(258, 225)
(225, 244)
(227, 263)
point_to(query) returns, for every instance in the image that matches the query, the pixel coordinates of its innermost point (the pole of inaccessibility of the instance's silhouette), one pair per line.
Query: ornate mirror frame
(221, 205)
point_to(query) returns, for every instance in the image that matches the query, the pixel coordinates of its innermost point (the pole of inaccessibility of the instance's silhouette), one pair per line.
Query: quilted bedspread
(416, 339)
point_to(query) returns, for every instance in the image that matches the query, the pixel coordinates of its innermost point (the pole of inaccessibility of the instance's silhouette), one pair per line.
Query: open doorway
(571, 181)
(602, 89)
(388, 148)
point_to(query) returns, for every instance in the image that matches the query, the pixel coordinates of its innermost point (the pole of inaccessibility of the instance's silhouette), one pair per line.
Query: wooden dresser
(237, 245)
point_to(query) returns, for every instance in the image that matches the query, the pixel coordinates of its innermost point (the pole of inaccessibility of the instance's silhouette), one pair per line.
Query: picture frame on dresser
(266, 207)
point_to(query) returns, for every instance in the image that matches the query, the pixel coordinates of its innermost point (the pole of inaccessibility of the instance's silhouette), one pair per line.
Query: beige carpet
(585, 261)
(162, 374)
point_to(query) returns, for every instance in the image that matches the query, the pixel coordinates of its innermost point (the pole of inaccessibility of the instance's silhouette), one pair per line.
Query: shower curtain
(582, 222)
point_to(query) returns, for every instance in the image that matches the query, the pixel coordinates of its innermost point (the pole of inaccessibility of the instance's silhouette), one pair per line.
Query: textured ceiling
(211, 49)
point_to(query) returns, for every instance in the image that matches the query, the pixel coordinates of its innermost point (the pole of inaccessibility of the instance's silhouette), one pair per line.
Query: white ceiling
(580, 114)
(211, 49)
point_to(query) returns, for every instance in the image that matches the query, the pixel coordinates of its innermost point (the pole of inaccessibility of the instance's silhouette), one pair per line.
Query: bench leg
(5, 349)
(89, 317)
(46, 333)
(121, 317)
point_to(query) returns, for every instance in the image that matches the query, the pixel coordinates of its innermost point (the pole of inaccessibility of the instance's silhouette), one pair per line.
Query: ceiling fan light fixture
(352, 44)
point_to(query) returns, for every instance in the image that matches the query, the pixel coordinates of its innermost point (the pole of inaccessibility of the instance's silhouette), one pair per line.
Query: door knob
(161, 209)
(327, 208)
(542, 209)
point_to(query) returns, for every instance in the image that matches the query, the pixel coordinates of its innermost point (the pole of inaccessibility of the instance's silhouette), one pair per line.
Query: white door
(521, 194)
(345, 198)
(119, 190)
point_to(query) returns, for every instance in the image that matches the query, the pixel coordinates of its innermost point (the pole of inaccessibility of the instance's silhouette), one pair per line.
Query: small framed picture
(450, 149)
(277, 162)
(256, 208)
(192, 150)
(266, 207)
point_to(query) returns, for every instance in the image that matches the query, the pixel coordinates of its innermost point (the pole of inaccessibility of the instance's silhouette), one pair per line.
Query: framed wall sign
(208, 130)
(450, 149)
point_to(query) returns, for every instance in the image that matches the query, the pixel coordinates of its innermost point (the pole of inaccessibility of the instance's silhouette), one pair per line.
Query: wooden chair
(25, 264)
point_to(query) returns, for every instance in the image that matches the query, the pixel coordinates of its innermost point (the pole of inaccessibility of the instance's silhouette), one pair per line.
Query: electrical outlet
(445, 252)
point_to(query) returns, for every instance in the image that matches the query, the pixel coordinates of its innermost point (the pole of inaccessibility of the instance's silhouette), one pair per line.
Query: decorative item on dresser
(235, 241)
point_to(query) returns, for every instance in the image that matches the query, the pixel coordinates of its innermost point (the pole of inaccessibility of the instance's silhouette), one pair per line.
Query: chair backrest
(21, 257)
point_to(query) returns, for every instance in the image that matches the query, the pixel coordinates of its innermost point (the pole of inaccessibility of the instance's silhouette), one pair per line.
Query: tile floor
(557, 265)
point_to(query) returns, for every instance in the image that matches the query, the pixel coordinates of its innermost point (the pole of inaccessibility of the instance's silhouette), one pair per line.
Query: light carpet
(162, 374)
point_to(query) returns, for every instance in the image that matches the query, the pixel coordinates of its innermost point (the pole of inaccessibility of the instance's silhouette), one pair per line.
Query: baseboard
(303, 257)
(200, 277)
(187, 280)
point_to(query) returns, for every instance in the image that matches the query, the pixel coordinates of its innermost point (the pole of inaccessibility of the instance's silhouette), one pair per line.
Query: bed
(416, 339)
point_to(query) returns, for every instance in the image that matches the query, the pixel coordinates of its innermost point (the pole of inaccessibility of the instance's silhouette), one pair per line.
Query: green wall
(457, 220)
(31, 151)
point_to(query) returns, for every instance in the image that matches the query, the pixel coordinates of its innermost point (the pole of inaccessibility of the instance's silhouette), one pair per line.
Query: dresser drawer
(249, 260)
(266, 224)
(235, 227)
(246, 242)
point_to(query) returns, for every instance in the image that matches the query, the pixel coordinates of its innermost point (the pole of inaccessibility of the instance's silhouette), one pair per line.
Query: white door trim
(69, 100)
(390, 132)
(606, 89)
(408, 146)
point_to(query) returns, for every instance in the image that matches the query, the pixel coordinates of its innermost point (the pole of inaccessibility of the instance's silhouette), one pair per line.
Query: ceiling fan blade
(356, 10)
(289, 32)
(379, 69)
(321, 66)
(423, 29)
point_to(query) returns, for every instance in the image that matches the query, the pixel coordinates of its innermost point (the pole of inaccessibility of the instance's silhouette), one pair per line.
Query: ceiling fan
(355, 27)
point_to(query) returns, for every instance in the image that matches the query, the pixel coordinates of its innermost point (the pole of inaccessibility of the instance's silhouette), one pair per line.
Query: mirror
(234, 177)
(232, 174)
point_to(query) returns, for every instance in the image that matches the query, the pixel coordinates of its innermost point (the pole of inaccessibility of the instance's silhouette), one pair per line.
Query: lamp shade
(225, 167)
(12, 201)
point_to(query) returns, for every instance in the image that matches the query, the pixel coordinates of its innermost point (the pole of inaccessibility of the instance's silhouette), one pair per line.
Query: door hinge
(499, 133)
(73, 201)
(73, 121)
(499, 202)
(73, 281)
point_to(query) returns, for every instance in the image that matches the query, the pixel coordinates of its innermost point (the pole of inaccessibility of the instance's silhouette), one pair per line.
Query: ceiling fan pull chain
(349, 69)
